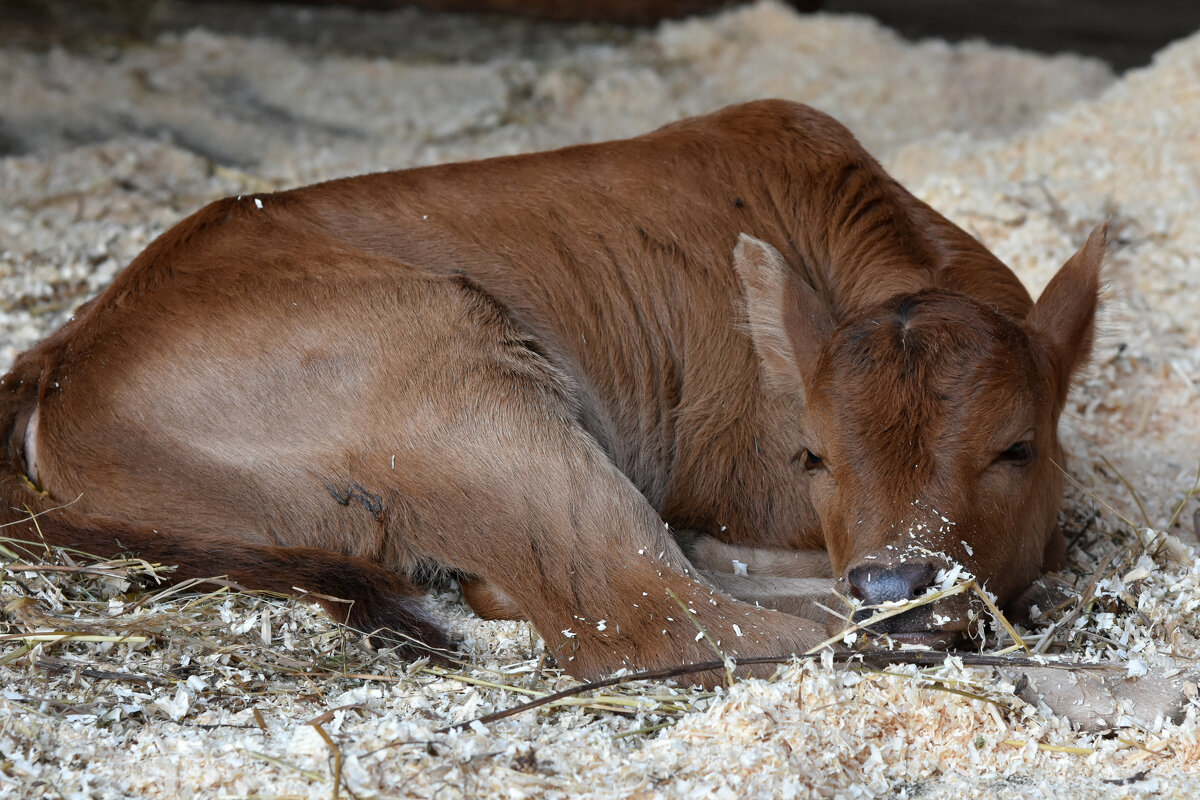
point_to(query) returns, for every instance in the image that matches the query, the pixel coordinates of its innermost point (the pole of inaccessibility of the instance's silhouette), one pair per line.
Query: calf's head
(928, 436)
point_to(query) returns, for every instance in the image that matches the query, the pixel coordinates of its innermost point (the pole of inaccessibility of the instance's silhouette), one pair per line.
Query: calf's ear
(789, 322)
(1065, 315)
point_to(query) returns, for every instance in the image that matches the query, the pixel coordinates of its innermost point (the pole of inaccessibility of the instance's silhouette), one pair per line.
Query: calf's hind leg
(518, 494)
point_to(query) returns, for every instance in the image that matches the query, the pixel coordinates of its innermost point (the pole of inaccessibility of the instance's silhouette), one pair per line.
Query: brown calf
(532, 371)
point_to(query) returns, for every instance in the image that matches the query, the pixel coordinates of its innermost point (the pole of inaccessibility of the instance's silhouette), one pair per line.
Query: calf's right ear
(789, 322)
(1065, 314)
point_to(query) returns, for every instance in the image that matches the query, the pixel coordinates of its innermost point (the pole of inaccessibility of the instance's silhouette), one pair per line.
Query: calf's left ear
(1065, 315)
(789, 322)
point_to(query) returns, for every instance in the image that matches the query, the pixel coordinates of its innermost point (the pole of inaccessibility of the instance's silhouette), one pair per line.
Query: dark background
(1125, 33)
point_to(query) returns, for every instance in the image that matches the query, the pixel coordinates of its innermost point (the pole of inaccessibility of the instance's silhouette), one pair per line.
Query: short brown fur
(525, 369)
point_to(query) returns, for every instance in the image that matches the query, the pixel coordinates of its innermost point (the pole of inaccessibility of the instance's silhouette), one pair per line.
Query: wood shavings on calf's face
(1032, 196)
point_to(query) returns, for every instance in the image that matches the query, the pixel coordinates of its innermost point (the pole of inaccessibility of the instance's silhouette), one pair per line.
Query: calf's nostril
(877, 584)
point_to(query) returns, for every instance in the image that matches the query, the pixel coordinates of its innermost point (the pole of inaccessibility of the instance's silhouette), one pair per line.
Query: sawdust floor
(232, 696)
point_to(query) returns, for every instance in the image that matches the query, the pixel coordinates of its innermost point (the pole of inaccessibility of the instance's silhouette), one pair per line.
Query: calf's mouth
(944, 624)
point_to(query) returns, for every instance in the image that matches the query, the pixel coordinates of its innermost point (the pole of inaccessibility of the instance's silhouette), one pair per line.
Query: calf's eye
(1019, 453)
(809, 460)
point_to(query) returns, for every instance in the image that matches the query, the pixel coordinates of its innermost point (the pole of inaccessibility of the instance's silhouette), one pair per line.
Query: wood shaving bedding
(231, 695)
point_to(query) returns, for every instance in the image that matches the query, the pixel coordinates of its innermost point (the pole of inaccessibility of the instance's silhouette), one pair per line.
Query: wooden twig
(61, 666)
(874, 658)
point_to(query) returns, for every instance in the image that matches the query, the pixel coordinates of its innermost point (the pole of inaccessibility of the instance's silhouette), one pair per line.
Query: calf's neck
(584, 381)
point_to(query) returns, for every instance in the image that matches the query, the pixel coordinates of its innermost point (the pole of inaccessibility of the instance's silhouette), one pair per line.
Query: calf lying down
(587, 382)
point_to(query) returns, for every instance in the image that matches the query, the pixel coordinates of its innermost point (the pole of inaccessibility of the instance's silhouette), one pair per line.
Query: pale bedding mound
(214, 696)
